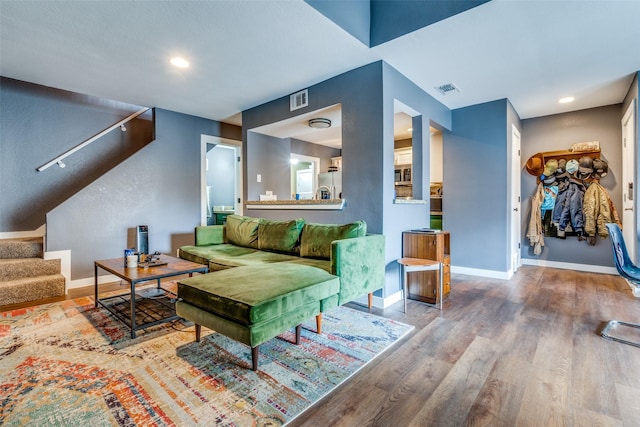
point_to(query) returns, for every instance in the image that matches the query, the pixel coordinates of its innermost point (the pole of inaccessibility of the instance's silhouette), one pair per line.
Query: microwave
(402, 174)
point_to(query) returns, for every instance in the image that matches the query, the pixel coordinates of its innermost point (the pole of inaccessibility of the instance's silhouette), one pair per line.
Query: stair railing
(67, 153)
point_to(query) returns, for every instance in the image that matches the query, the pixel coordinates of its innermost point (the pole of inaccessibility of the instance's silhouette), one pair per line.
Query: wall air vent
(447, 88)
(299, 100)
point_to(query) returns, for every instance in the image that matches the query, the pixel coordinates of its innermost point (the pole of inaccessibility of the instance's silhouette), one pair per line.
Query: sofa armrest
(210, 235)
(359, 262)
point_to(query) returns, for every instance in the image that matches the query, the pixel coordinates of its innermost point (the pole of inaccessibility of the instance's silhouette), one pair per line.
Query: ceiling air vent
(299, 100)
(447, 88)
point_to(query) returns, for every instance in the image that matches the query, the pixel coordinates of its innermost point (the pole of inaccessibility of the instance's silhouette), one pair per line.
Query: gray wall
(158, 186)
(475, 202)
(38, 124)
(558, 132)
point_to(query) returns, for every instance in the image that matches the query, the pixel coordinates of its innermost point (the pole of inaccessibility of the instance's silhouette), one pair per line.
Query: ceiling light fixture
(319, 123)
(62, 165)
(566, 100)
(179, 62)
(123, 128)
(410, 130)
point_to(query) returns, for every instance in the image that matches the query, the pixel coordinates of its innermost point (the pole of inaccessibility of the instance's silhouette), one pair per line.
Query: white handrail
(93, 138)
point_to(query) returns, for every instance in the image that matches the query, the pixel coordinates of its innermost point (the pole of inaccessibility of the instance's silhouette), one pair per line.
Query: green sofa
(346, 251)
(267, 276)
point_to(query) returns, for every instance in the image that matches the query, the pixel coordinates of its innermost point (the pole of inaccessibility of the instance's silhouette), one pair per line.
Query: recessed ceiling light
(179, 62)
(566, 100)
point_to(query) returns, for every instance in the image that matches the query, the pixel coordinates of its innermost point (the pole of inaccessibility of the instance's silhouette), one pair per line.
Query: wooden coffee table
(156, 309)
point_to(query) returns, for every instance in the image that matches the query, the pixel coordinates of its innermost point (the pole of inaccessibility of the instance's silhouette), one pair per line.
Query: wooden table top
(174, 267)
(417, 262)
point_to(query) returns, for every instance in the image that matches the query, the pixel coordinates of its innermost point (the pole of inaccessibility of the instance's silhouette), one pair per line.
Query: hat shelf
(535, 164)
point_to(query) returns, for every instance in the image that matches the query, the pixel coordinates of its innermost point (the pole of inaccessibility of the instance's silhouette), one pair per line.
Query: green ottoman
(253, 304)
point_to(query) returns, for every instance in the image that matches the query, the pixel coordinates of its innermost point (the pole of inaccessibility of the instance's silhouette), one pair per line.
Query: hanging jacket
(535, 233)
(596, 210)
(571, 209)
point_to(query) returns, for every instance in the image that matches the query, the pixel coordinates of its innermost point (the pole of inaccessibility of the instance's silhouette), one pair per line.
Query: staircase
(24, 274)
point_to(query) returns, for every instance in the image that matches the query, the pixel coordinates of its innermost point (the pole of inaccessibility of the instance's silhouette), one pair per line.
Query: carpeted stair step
(21, 268)
(31, 289)
(30, 247)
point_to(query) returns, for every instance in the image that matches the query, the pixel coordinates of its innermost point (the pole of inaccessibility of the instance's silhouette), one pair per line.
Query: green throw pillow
(279, 236)
(316, 239)
(243, 231)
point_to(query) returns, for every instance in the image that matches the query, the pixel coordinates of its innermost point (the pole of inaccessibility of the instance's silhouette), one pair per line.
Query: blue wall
(558, 132)
(360, 93)
(367, 97)
(158, 186)
(391, 19)
(401, 217)
(354, 16)
(475, 202)
(38, 124)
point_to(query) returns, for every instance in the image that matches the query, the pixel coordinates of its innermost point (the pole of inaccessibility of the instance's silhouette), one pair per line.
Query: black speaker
(142, 239)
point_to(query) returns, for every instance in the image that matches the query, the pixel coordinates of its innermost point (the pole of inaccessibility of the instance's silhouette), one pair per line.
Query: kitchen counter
(307, 204)
(401, 201)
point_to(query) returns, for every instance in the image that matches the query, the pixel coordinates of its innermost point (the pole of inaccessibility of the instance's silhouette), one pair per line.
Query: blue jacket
(568, 208)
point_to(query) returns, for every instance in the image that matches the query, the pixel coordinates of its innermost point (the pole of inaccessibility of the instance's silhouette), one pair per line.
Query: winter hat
(548, 181)
(586, 167)
(572, 166)
(562, 165)
(534, 165)
(600, 167)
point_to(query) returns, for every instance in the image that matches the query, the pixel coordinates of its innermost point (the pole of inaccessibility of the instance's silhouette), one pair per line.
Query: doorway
(628, 180)
(221, 179)
(304, 176)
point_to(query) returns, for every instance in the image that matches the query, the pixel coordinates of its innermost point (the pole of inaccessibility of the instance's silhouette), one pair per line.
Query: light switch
(259, 178)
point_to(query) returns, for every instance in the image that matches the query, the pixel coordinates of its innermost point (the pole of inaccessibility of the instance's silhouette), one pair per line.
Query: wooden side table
(408, 265)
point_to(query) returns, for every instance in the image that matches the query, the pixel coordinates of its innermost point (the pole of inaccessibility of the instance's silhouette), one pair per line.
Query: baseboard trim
(570, 266)
(491, 274)
(380, 302)
(39, 232)
(89, 281)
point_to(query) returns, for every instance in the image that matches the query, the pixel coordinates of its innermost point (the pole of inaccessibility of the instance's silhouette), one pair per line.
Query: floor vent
(447, 88)
(299, 100)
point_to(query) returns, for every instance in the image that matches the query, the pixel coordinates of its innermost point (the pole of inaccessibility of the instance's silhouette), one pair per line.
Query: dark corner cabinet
(433, 245)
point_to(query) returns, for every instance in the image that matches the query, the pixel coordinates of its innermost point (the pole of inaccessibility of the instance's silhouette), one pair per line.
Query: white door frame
(515, 205)
(216, 140)
(629, 225)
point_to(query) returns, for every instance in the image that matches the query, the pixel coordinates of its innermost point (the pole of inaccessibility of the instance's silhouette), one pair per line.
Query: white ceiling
(245, 53)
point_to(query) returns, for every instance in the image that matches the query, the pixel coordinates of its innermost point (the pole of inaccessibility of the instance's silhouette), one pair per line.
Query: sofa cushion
(243, 230)
(209, 235)
(257, 294)
(316, 239)
(280, 236)
(220, 257)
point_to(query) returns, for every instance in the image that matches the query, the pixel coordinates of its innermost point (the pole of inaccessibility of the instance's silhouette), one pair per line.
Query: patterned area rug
(69, 363)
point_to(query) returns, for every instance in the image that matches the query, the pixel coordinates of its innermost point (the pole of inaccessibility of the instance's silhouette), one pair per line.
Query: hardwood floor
(522, 352)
